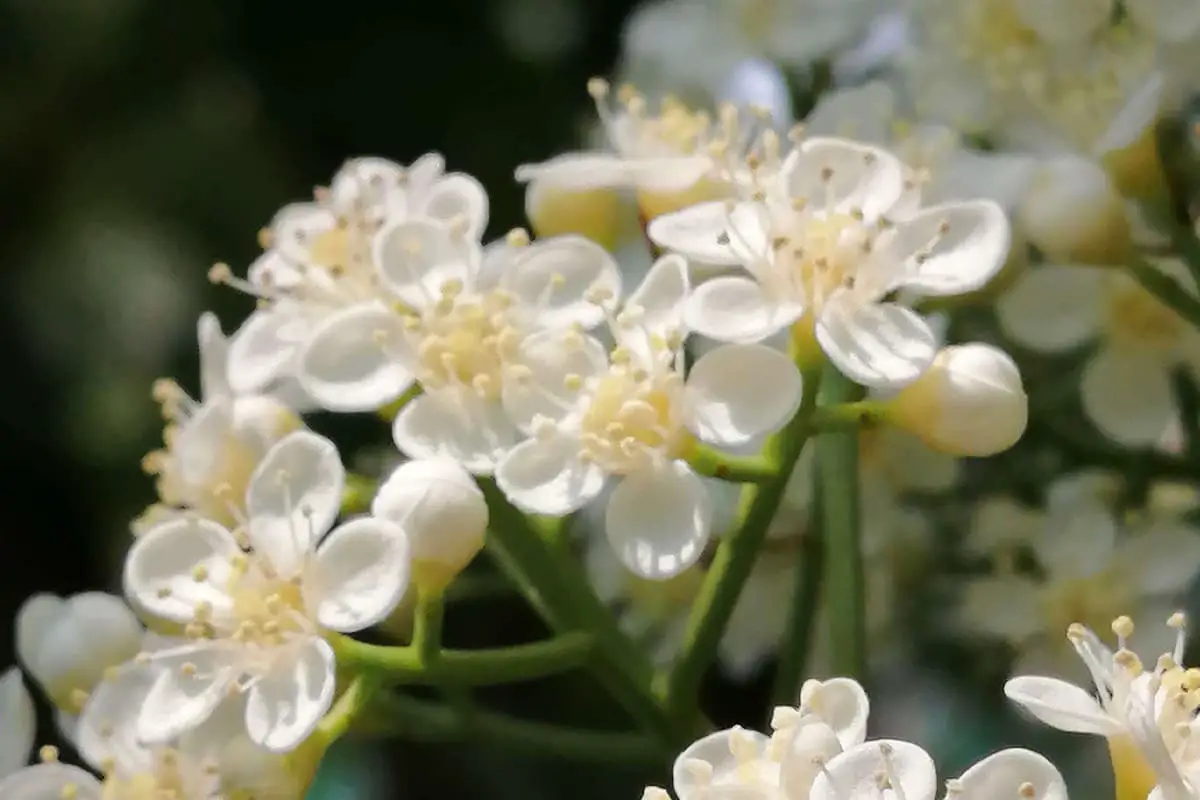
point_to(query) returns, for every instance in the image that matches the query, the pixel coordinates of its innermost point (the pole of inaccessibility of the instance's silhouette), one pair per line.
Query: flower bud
(970, 402)
(1073, 213)
(442, 511)
(66, 645)
(654, 202)
(599, 213)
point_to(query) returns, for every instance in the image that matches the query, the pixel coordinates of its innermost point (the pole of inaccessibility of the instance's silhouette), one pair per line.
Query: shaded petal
(359, 574)
(457, 199)
(659, 520)
(19, 722)
(844, 176)
(560, 280)
(358, 359)
(879, 345)
(214, 354)
(1060, 705)
(294, 496)
(696, 232)
(457, 424)
(1002, 774)
(545, 475)
(107, 727)
(52, 781)
(854, 774)
(949, 249)
(1164, 558)
(842, 704)
(1065, 22)
(716, 750)
(1077, 540)
(585, 170)
(416, 258)
(865, 113)
(261, 349)
(658, 302)
(161, 566)
(284, 707)
(1127, 394)
(1053, 308)
(740, 391)
(540, 385)
(668, 173)
(811, 743)
(736, 309)
(363, 184)
(184, 697)
(201, 444)
(1170, 20)
(34, 619)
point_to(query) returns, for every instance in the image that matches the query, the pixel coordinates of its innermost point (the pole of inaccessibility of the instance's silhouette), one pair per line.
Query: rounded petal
(457, 424)
(738, 392)
(854, 774)
(577, 171)
(363, 183)
(262, 349)
(696, 232)
(294, 496)
(811, 743)
(950, 249)
(659, 520)
(564, 281)
(417, 258)
(842, 704)
(20, 722)
(35, 617)
(284, 707)
(844, 176)
(657, 304)
(1077, 540)
(107, 726)
(357, 360)
(545, 475)
(541, 382)
(881, 346)
(161, 566)
(1002, 774)
(214, 355)
(51, 781)
(1127, 394)
(706, 760)
(736, 309)
(359, 574)
(190, 684)
(1164, 558)
(1061, 705)
(1053, 308)
(458, 199)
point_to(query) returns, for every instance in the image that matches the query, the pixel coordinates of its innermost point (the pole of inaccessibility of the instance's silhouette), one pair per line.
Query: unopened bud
(1074, 214)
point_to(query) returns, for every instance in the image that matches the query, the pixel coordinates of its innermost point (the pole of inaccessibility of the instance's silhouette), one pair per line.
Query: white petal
(357, 360)
(359, 574)
(854, 774)
(539, 383)
(740, 391)
(283, 708)
(296, 226)
(659, 520)
(1130, 123)
(362, 183)
(183, 698)
(659, 300)
(842, 704)
(201, 443)
(1170, 20)
(1002, 774)
(1077, 541)
(716, 750)
(865, 113)
(557, 279)
(879, 345)
(696, 232)
(457, 199)
(547, 476)
(1064, 21)
(457, 424)
(19, 722)
(577, 171)
(950, 249)
(736, 309)
(1164, 558)
(811, 743)
(261, 350)
(1127, 394)
(1060, 705)
(844, 176)
(107, 726)
(418, 257)
(214, 355)
(668, 173)
(51, 782)
(1053, 308)
(35, 617)
(294, 497)
(161, 566)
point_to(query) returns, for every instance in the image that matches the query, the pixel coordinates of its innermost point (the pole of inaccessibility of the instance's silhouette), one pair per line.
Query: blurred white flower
(1073, 213)
(18, 722)
(1126, 384)
(257, 618)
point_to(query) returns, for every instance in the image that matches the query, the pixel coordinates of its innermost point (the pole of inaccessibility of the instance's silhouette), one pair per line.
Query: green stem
(392, 409)
(427, 628)
(848, 416)
(467, 588)
(433, 722)
(358, 493)
(837, 480)
(793, 652)
(1166, 289)
(347, 708)
(735, 469)
(735, 557)
(522, 662)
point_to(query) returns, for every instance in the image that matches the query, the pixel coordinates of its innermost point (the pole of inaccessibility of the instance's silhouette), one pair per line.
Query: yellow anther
(1027, 789)
(200, 573)
(517, 237)
(598, 88)
(1177, 620)
(1123, 626)
(220, 273)
(48, 754)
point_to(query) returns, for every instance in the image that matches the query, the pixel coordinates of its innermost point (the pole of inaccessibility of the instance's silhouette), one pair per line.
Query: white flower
(443, 512)
(969, 402)
(825, 240)
(212, 446)
(18, 722)
(1073, 213)
(632, 416)
(459, 327)
(257, 617)
(319, 255)
(66, 645)
(1014, 772)
(1126, 384)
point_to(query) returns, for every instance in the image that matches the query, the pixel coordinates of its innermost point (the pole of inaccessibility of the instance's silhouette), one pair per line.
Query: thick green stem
(848, 416)
(806, 591)
(1166, 289)
(735, 557)
(427, 628)
(735, 469)
(432, 722)
(468, 667)
(837, 480)
(347, 708)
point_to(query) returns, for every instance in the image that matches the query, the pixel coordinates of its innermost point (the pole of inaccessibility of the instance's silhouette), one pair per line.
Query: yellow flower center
(1132, 776)
(167, 781)
(633, 417)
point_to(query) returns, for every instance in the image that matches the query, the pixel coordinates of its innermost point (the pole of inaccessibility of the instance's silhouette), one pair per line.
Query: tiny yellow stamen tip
(1177, 620)
(1123, 626)
(220, 273)
(48, 754)
(598, 88)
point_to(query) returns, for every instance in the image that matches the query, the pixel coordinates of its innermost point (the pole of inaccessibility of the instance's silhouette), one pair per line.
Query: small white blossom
(257, 618)
(1011, 773)
(825, 240)
(1073, 213)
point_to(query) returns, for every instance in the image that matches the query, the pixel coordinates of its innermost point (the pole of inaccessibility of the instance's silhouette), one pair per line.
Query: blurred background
(140, 142)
